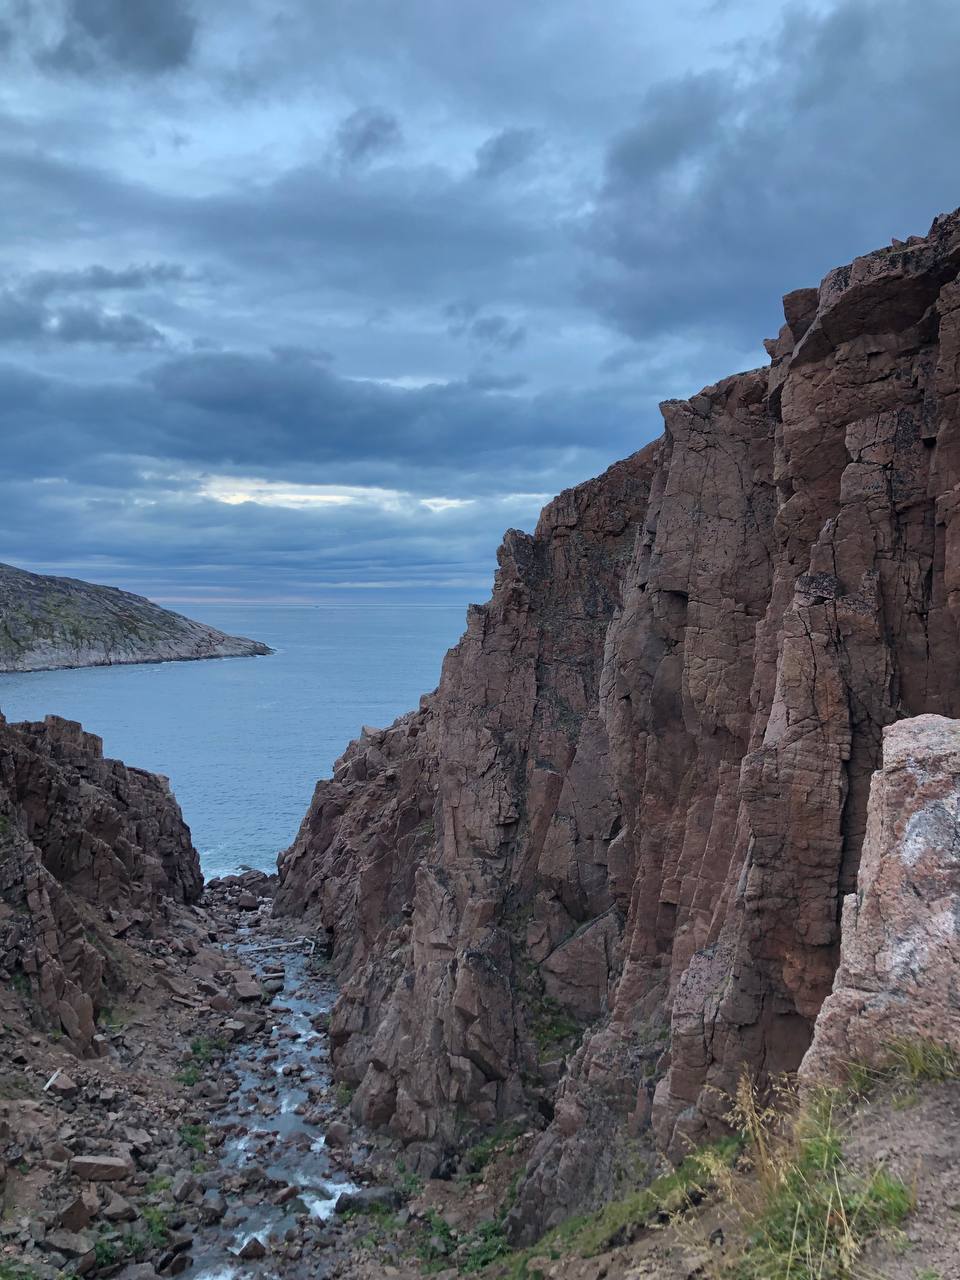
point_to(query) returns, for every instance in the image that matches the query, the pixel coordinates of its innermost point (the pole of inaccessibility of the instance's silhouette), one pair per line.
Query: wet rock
(252, 1250)
(213, 1206)
(365, 1198)
(184, 1186)
(337, 1134)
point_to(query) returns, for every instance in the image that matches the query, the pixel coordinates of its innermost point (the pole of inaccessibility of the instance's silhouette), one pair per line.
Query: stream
(277, 1175)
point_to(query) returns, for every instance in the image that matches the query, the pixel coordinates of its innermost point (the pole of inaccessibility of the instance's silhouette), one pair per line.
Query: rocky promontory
(598, 874)
(48, 622)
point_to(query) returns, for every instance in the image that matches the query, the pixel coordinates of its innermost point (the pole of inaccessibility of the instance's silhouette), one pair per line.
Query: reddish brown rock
(81, 838)
(638, 796)
(101, 1168)
(900, 939)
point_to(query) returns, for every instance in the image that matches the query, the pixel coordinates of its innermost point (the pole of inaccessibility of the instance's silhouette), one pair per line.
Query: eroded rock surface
(900, 940)
(89, 849)
(599, 872)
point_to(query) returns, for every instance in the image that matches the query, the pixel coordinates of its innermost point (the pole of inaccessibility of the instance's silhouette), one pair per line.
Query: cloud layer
(296, 297)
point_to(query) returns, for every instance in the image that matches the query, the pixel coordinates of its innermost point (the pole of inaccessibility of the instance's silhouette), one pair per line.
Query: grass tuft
(808, 1215)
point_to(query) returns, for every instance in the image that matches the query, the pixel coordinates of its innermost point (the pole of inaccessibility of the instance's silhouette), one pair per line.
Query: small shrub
(157, 1228)
(408, 1183)
(106, 1252)
(552, 1025)
(194, 1135)
(486, 1244)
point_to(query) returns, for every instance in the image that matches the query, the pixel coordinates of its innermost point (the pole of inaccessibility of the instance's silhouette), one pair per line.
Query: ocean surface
(243, 740)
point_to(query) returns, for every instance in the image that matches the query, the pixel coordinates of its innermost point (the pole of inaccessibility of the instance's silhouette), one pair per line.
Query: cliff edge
(599, 872)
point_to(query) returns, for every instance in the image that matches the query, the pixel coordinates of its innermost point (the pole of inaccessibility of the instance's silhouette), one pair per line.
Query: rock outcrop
(899, 968)
(89, 849)
(599, 873)
(47, 622)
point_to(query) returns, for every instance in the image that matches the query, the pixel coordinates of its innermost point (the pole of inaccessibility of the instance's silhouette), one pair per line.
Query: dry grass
(803, 1213)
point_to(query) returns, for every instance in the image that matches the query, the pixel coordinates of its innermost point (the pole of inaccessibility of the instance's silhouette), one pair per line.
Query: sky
(313, 298)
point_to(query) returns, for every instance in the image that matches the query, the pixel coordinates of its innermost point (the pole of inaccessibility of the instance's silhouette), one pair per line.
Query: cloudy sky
(312, 296)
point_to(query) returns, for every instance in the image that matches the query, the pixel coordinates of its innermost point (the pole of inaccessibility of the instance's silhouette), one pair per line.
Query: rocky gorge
(599, 873)
(681, 818)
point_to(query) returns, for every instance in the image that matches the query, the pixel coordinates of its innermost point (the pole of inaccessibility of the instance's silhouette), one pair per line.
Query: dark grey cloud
(734, 186)
(24, 317)
(505, 150)
(234, 266)
(464, 319)
(145, 38)
(97, 278)
(365, 133)
(268, 417)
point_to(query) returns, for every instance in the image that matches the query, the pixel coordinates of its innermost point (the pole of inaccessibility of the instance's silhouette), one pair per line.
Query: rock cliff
(47, 623)
(599, 872)
(89, 849)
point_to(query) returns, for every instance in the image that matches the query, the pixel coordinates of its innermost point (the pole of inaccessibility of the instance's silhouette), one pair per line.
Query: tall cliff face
(89, 848)
(624, 823)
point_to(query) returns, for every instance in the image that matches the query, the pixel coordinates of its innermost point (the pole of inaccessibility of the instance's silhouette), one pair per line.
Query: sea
(244, 740)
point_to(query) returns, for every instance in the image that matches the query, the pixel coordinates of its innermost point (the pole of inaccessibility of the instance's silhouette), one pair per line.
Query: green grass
(156, 1185)
(477, 1157)
(408, 1183)
(343, 1093)
(484, 1246)
(17, 1271)
(189, 1076)
(203, 1049)
(904, 1066)
(813, 1213)
(435, 1230)
(620, 1221)
(195, 1136)
(21, 984)
(157, 1227)
(551, 1025)
(107, 1252)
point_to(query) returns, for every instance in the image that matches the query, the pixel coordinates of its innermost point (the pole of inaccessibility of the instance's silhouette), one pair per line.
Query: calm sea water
(243, 740)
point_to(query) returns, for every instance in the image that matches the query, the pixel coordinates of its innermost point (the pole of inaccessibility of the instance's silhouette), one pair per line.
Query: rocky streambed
(209, 1135)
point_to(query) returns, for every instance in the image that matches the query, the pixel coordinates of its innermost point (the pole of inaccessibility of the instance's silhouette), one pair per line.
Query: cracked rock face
(599, 872)
(900, 940)
(88, 849)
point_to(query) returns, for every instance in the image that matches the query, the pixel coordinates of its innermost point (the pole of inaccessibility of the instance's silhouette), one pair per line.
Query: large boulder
(899, 968)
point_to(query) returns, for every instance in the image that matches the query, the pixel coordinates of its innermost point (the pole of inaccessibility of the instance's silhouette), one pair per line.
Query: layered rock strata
(89, 849)
(899, 968)
(598, 874)
(47, 622)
